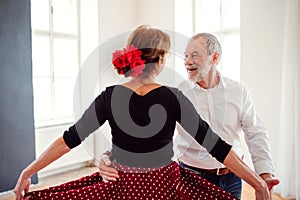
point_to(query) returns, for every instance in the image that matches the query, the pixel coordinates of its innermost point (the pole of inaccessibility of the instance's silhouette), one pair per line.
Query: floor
(248, 192)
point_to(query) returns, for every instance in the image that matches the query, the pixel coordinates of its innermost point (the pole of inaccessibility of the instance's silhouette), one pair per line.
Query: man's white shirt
(229, 110)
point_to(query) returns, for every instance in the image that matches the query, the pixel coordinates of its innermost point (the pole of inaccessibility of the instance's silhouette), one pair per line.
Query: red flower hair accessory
(128, 59)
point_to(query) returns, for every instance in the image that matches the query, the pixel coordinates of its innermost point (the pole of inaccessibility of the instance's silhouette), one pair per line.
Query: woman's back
(142, 125)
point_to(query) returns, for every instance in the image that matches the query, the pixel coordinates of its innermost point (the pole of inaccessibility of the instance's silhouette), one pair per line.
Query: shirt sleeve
(193, 124)
(256, 136)
(89, 122)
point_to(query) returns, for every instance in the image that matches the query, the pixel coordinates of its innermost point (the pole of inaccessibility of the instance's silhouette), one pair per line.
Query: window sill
(53, 123)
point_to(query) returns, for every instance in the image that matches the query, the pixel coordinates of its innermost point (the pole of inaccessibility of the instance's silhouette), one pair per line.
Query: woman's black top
(142, 127)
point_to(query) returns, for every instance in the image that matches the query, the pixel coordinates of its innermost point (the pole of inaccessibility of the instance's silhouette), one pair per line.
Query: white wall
(157, 13)
(115, 17)
(262, 27)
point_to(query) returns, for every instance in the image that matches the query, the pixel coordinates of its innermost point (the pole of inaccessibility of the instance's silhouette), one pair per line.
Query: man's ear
(215, 57)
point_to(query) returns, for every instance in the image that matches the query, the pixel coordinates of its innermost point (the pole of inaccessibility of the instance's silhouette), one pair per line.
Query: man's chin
(194, 78)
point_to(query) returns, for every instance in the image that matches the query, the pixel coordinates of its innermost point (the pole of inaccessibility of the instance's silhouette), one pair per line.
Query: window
(56, 58)
(219, 17)
(222, 18)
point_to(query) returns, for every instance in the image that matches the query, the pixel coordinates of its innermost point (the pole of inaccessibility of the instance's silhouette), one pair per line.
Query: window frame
(221, 33)
(52, 35)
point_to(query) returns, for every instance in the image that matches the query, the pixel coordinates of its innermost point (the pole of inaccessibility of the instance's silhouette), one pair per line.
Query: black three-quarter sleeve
(191, 121)
(71, 137)
(89, 122)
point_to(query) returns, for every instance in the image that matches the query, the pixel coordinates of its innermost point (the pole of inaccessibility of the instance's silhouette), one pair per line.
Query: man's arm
(257, 140)
(256, 136)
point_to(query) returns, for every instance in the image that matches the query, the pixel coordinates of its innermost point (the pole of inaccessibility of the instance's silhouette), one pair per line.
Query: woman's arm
(57, 149)
(239, 168)
(91, 120)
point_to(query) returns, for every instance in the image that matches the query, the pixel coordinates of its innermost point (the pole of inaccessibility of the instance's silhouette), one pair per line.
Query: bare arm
(238, 167)
(57, 149)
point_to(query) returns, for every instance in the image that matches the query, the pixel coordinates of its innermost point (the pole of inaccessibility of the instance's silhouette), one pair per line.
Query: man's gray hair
(211, 43)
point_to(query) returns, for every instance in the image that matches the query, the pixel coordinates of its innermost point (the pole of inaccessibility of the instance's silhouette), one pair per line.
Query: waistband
(217, 171)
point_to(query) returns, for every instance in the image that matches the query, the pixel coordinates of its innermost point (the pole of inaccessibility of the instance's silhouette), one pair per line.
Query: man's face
(196, 60)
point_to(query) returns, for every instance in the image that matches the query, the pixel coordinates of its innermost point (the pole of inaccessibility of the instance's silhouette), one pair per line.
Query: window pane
(42, 99)
(40, 56)
(231, 56)
(207, 15)
(63, 92)
(65, 57)
(40, 14)
(231, 14)
(65, 16)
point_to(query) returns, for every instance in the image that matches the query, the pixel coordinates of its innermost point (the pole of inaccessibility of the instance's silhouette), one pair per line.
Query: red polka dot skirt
(168, 182)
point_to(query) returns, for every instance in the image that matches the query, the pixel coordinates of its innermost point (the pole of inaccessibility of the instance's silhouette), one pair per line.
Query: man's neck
(210, 81)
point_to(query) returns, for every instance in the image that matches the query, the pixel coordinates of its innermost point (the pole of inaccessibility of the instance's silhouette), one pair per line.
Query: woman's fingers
(22, 186)
(26, 189)
(108, 173)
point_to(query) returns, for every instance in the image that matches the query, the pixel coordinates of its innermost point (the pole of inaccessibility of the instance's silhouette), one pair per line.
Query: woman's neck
(143, 80)
(142, 85)
(139, 81)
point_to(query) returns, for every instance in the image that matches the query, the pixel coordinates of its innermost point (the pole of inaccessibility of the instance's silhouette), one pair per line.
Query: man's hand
(108, 173)
(270, 180)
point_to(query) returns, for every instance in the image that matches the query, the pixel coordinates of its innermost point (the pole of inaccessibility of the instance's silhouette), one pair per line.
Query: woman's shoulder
(110, 88)
(162, 90)
(107, 91)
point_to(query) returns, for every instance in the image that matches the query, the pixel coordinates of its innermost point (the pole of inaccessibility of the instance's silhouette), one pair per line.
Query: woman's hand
(107, 173)
(22, 185)
(57, 149)
(263, 193)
